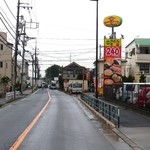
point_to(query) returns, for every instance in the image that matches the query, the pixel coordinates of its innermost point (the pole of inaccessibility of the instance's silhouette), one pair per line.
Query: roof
(73, 64)
(140, 42)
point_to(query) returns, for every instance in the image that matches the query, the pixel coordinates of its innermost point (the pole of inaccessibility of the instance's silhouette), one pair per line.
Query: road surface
(53, 120)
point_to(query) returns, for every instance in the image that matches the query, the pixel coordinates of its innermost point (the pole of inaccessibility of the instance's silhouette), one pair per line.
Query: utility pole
(23, 54)
(32, 70)
(35, 60)
(16, 48)
(34, 25)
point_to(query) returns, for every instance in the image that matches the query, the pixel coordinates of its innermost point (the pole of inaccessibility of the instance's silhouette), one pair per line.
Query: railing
(109, 111)
(10, 95)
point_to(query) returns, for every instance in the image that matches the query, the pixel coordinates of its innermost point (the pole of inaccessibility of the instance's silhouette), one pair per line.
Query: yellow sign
(112, 21)
(112, 42)
(100, 91)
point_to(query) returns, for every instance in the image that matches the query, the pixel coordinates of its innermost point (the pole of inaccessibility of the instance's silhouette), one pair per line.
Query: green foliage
(52, 72)
(127, 79)
(5, 80)
(142, 78)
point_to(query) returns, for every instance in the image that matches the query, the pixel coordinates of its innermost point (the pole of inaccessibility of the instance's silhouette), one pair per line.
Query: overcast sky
(67, 28)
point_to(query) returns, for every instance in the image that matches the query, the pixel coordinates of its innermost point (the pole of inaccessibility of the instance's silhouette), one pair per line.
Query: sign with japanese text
(112, 62)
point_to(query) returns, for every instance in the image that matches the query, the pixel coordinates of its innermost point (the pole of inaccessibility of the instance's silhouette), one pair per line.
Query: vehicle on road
(53, 87)
(75, 88)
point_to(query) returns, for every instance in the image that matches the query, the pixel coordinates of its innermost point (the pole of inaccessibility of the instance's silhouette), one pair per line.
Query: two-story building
(7, 60)
(74, 73)
(5, 56)
(138, 57)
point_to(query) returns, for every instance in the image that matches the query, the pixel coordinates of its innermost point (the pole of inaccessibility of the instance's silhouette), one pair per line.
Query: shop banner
(112, 61)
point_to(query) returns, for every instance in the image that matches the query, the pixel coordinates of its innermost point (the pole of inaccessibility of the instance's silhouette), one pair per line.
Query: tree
(127, 79)
(52, 72)
(142, 78)
(5, 80)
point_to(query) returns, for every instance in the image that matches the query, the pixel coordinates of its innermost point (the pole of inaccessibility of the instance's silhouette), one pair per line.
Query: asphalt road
(64, 125)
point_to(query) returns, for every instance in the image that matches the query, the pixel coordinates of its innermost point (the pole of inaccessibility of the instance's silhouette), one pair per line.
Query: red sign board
(112, 62)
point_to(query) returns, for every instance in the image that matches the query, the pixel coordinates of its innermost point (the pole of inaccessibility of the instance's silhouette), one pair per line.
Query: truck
(39, 83)
(75, 88)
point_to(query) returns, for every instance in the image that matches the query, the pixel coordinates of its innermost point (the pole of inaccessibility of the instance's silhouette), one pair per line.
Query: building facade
(72, 71)
(6, 62)
(138, 58)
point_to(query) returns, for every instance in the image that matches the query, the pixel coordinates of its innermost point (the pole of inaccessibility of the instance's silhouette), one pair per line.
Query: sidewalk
(134, 129)
(25, 93)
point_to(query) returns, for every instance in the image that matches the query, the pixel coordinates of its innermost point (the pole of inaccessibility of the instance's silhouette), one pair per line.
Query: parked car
(127, 94)
(147, 105)
(53, 87)
(143, 97)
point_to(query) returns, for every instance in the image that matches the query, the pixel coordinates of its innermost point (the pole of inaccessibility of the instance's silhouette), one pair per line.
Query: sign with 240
(113, 52)
(112, 48)
(112, 61)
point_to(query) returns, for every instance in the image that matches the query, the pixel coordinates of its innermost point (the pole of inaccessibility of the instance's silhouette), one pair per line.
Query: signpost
(112, 52)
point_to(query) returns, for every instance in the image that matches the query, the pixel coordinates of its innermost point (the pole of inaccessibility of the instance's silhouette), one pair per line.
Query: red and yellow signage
(112, 21)
(112, 62)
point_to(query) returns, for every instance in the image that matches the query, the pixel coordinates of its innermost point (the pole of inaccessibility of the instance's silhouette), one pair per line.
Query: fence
(10, 95)
(109, 111)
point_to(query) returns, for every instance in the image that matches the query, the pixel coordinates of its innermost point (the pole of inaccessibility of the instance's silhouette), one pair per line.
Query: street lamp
(96, 61)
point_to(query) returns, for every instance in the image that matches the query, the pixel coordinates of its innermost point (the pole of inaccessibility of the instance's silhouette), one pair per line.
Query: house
(5, 56)
(138, 57)
(7, 61)
(74, 73)
(23, 72)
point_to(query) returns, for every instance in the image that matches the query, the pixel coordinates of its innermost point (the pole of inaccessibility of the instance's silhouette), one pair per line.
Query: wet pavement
(134, 127)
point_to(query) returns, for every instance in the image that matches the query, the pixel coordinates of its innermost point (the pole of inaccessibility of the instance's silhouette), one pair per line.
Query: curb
(107, 122)
(127, 140)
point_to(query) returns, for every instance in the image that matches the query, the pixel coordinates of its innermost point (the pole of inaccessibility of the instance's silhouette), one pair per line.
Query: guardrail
(109, 111)
(10, 95)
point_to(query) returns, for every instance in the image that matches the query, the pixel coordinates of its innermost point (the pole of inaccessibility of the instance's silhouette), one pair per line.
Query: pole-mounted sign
(112, 53)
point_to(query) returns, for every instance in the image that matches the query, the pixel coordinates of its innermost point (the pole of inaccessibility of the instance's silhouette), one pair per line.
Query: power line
(7, 22)
(7, 18)
(9, 9)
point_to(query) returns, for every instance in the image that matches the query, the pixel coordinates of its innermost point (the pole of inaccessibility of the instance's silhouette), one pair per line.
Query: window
(144, 50)
(144, 67)
(1, 47)
(1, 64)
(132, 52)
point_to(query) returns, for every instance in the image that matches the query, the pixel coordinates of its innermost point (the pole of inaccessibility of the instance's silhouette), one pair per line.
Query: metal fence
(109, 111)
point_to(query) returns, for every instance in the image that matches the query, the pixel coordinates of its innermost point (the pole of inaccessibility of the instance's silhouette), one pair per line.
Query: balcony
(142, 58)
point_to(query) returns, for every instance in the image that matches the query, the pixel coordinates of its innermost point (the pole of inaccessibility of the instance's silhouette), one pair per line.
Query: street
(63, 124)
